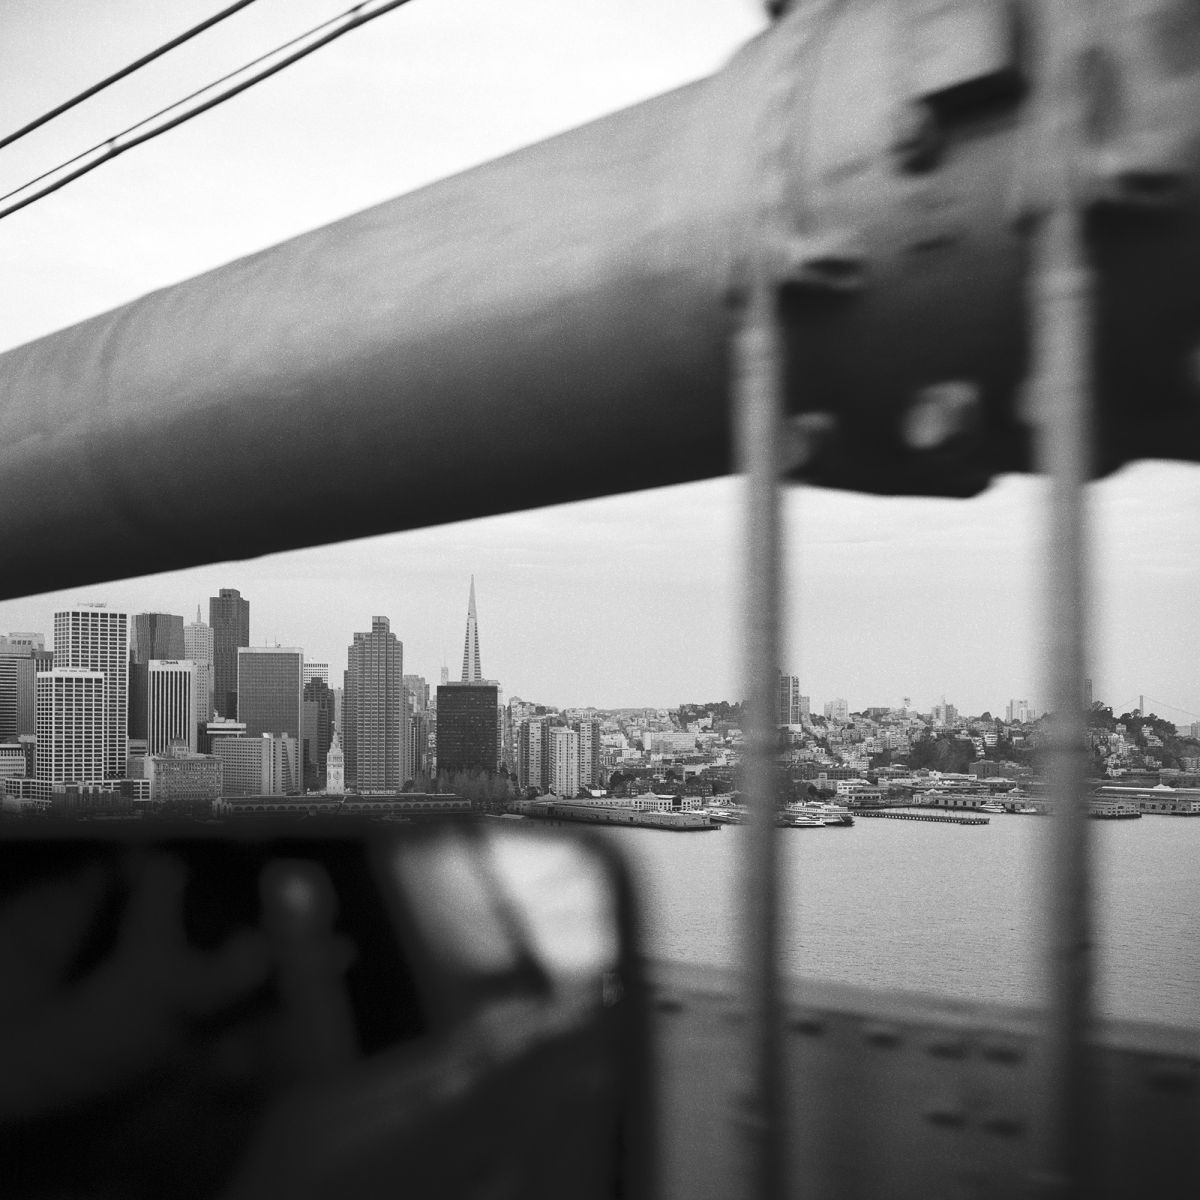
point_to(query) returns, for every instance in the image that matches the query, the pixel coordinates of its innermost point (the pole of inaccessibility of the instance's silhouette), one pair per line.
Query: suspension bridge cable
(125, 71)
(352, 18)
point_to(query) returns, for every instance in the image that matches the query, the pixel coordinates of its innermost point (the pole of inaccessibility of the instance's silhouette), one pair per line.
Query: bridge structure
(890, 247)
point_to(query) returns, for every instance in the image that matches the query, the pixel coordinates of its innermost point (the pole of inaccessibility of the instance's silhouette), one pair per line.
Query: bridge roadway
(909, 1096)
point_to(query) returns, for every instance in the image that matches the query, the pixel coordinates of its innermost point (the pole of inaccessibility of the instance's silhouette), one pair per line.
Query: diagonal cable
(342, 24)
(125, 71)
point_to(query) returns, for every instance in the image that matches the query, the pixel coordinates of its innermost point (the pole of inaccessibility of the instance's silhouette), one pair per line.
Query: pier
(893, 815)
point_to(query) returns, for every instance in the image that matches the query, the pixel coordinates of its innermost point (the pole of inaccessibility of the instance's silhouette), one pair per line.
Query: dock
(892, 815)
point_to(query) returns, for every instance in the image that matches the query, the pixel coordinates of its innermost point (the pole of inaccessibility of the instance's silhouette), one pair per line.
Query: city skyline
(621, 602)
(576, 693)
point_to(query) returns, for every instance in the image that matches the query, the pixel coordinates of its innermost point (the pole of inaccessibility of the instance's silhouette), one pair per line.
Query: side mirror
(318, 1008)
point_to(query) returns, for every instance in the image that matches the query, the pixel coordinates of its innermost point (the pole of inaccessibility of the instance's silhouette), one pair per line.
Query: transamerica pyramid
(471, 672)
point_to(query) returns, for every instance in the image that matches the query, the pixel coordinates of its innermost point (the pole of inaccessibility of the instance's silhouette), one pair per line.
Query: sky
(625, 601)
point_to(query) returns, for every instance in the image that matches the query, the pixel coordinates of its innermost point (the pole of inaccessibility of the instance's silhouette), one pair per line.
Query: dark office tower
(151, 635)
(318, 731)
(471, 672)
(229, 616)
(271, 691)
(466, 727)
(374, 711)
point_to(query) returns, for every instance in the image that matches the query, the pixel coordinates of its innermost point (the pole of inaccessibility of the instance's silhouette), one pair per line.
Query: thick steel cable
(351, 19)
(1062, 300)
(758, 404)
(124, 72)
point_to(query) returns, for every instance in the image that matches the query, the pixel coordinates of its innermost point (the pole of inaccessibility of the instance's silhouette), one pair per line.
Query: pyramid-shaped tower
(471, 672)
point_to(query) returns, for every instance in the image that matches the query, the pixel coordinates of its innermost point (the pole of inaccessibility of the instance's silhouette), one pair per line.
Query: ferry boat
(823, 811)
(992, 806)
(800, 820)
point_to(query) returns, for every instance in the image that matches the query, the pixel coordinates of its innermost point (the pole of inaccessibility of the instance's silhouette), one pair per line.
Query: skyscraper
(318, 729)
(471, 672)
(8, 696)
(229, 616)
(270, 691)
(787, 704)
(467, 727)
(589, 752)
(375, 714)
(72, 741)
(151, 635)
(91, 637)
(418, 693)
(198, 646)
(171, 704)
(533, 754)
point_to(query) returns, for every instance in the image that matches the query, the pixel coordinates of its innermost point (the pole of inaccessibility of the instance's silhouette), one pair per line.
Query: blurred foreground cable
(1061, 307)
(758, 410)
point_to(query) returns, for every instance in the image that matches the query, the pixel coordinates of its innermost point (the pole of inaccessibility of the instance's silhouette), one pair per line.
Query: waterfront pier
(893, 815)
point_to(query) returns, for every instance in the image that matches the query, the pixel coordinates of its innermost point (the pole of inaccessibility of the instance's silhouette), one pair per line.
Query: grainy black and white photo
(482, 484)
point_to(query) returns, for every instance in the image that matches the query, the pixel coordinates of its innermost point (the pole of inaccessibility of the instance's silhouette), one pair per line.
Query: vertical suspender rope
(1061, 314)
(757, 418)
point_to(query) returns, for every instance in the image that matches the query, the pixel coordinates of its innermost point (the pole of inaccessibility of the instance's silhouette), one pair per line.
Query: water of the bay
(948, 909)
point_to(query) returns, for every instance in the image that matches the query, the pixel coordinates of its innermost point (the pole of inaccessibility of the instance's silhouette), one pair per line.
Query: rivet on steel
(940, 413)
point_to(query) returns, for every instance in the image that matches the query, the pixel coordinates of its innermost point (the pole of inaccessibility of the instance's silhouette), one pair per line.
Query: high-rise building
(72, 711)
(92, 637)
(198, 646)
(21, 657)
(318, 730)
(271, 691)
(471, 672)
(8, 696)
(564, 761)
(229, 616)
(589, 751)
(316, 670)
(258, 766)
(375, 712)
(788, 689)
(533, 754)
(151, 635)
(467, 727)
(417, 691)
(418, 743)
(172, 703)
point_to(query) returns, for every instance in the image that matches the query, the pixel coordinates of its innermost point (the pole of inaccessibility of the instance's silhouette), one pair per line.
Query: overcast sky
(623, 601)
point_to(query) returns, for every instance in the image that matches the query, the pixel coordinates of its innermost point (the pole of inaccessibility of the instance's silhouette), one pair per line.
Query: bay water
(938, 908)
